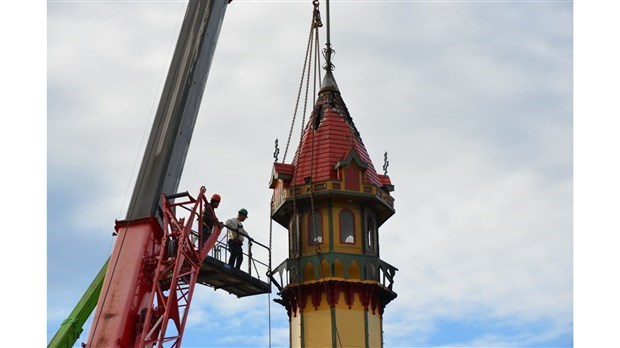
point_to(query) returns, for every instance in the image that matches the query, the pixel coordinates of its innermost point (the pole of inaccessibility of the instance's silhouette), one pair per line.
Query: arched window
(371, 235)
(315, 230)
(294, 236)
(347, 227)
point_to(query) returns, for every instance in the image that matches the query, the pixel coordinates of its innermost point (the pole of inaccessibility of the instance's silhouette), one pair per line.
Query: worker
(207, 219)
(236, 235)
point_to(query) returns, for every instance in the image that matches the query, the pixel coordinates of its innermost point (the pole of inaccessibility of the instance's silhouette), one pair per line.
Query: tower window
(347, 227)
(315, 230)
(371, 235)
(294, 236)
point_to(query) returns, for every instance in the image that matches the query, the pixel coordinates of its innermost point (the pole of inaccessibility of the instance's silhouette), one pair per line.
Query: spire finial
(328, 51)
(328, 83)
(386, 163)
(276, 152)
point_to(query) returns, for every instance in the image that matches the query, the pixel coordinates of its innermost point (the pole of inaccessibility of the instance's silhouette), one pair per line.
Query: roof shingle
(324, 145)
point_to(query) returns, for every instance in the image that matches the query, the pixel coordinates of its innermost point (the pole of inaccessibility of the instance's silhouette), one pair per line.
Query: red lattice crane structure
(176, 271)
(141, 299)
(166, 281)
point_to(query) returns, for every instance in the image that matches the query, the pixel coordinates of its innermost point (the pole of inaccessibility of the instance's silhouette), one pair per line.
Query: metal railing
(220, 251)
(370, 268)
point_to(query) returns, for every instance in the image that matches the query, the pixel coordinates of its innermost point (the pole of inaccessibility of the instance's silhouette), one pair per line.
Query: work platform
(215, 272)
(218, 275)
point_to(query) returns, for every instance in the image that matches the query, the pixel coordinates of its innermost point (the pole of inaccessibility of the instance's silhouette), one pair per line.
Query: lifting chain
(317, 64)
(269, 272)
(317, 71)
(314, 234)
(312, 57)
(316, 16)
(311, 49)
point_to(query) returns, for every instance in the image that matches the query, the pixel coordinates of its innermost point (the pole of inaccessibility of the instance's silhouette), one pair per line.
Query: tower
(332, 201)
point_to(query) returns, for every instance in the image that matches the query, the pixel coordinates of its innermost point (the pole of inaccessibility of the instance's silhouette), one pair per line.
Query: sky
(473, 101)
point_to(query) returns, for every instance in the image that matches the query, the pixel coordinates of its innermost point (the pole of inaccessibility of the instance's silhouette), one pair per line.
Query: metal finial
(328, 51)
(276, 152)
(386, 163)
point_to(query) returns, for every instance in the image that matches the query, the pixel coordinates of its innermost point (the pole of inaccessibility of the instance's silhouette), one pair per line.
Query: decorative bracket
(386, 163)
(276, 152)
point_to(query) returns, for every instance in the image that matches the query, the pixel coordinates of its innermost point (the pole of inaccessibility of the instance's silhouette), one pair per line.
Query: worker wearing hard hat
(236, 236)
(207, 219)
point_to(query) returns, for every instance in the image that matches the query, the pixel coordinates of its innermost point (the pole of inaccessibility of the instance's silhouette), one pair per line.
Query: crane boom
(173, 126)
(139, 236)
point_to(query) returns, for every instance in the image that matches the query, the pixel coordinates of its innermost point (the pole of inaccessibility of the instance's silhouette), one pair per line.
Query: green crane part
(71, 328)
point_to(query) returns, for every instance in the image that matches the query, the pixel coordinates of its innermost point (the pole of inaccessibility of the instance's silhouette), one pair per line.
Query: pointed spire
(329, 83)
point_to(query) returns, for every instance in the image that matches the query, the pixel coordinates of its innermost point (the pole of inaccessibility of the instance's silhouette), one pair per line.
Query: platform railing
(370, 268)
(220, 251)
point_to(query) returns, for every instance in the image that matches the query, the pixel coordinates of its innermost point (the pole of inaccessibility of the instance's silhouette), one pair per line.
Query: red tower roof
(329, 137)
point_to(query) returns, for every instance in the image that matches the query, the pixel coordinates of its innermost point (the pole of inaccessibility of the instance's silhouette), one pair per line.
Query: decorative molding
(373, 297)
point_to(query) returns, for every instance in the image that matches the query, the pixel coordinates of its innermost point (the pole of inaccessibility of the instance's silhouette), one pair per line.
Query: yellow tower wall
(375, 332)
(350, 325)
(295, 324)
(317, 328)
(353, 325)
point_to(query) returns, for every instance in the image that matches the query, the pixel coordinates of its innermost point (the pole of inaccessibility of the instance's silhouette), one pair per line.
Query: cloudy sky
(473, 101)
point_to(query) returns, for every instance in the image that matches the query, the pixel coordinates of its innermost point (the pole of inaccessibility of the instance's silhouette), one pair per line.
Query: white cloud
(472, 105)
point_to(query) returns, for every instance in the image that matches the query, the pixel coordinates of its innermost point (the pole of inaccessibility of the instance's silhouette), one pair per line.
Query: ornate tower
(331, 200)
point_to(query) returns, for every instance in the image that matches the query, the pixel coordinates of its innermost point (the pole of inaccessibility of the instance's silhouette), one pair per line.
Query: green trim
(381, 329)
(330, 218)
(336, 193)
(363, 261)
(301, 329)
(352, 156)
(334, 328)
(366, 330)
(364, 228)
(332, 192)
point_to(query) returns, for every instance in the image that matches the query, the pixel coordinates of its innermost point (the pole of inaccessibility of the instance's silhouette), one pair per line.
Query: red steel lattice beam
(176, 273)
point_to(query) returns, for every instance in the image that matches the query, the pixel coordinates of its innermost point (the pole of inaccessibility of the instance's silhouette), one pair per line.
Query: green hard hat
(243, 212)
